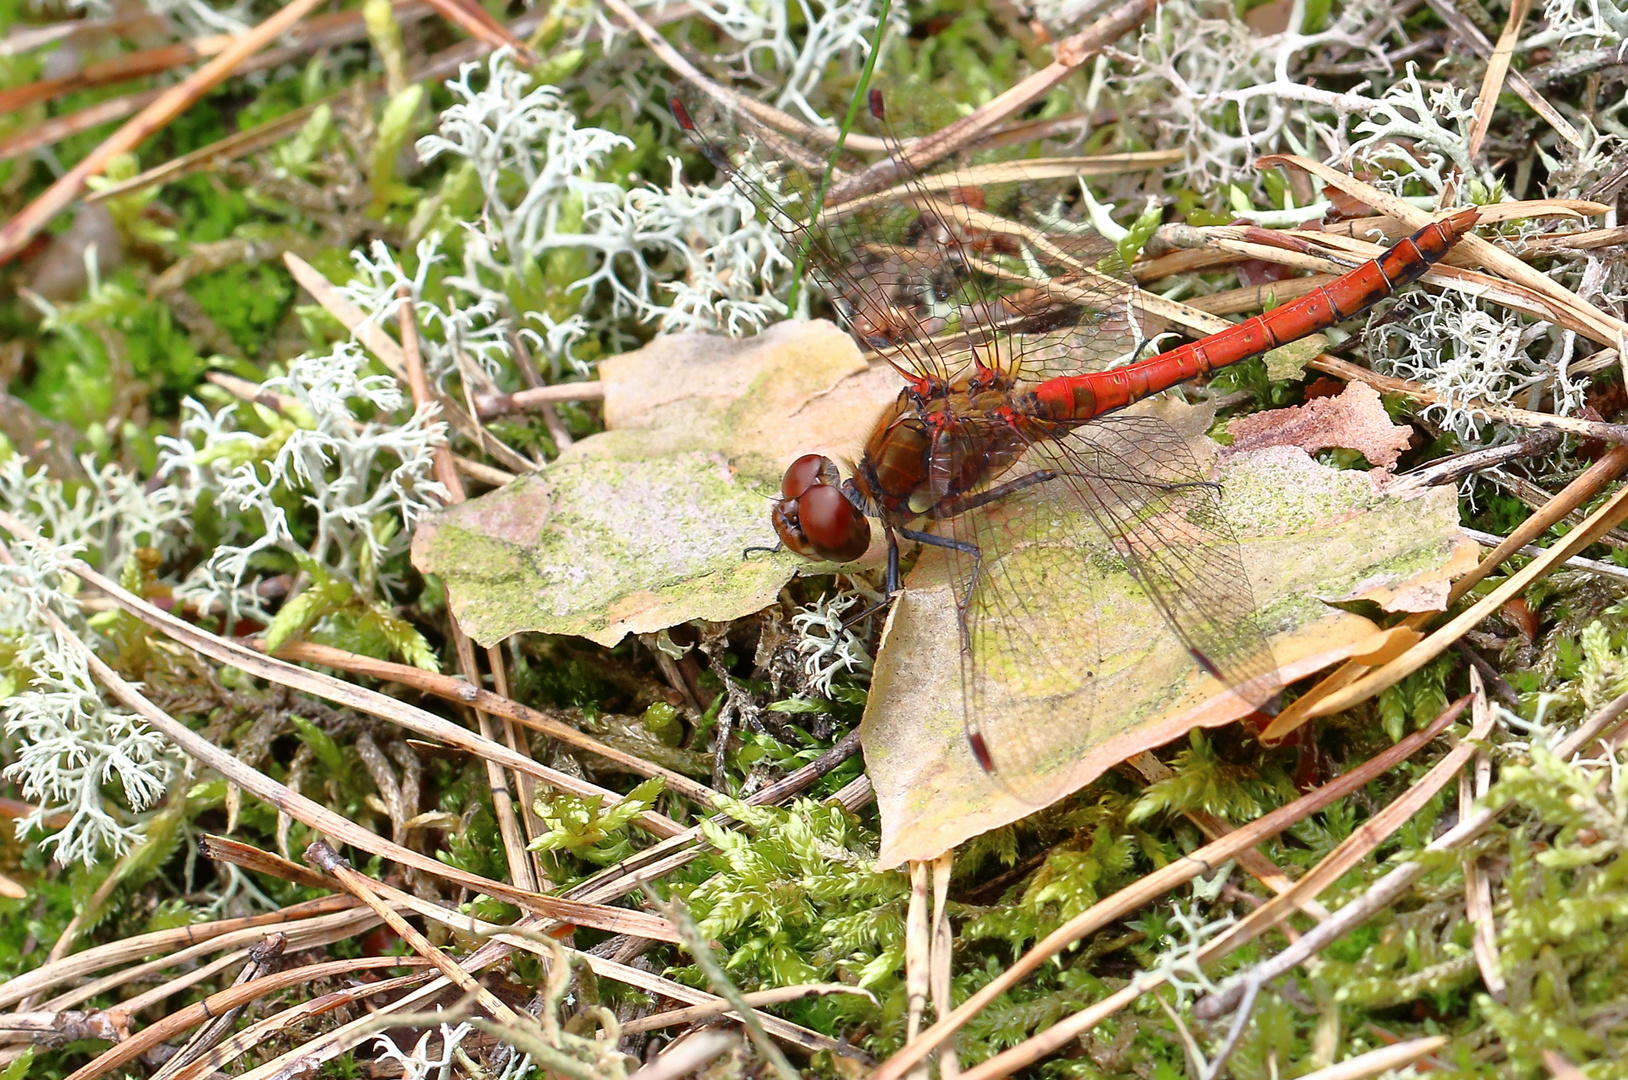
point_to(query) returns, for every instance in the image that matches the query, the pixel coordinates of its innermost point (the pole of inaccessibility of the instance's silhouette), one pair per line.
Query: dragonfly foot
(853, 621)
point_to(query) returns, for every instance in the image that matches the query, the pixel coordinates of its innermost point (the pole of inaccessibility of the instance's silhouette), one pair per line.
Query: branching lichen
(65, 742)
(569, 253)
(359, 485)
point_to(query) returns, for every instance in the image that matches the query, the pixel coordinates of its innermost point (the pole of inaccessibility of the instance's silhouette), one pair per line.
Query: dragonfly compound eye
(810, 470)
(834, 527)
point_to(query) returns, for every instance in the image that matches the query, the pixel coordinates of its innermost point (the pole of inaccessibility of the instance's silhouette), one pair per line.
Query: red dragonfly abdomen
(1080, 397)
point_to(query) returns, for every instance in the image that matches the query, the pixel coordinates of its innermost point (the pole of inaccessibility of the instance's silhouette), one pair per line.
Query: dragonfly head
(813, 516)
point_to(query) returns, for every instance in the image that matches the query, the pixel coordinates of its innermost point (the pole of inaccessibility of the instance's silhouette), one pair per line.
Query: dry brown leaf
(1307, 533)
(1354, 420)
(643, 526)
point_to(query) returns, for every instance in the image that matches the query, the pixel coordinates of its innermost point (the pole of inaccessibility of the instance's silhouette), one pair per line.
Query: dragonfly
(995, 309)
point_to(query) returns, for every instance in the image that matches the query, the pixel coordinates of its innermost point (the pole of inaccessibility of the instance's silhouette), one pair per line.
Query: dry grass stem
(452, 689)
(1575, 494)
(949, 1066)
(323, 857)
(1471, 35)
(323, 820)
(16, 233)
(778, 996)
(1604, 328)
(522, 870)
(339, 691)
(380, 344)
(1202, 861)
(220, 1002)
(1386, 891)
(1497, 70)
(1606, 517)
(917, 954)
(1356, 847)
(1374, 1062)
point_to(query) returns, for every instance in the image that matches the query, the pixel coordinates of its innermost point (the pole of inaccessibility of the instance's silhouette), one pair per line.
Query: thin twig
(1326, 873)
(452, 689)
(521, 870)
(262, 958)
(324, 858)
(336, 690)
(323, 820)
(1575, 494)
(724, 988)
(1612, 513)
(16, 233)
(778, 996)
(1200, 862)
(1497, 69)
(1385, 892)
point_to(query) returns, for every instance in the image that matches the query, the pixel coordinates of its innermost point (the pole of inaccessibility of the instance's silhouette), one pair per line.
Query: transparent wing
(1141, 483)
(981, 257)
(1055, 642)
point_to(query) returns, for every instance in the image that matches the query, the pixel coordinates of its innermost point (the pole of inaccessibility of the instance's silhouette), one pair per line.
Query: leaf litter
(644, 526)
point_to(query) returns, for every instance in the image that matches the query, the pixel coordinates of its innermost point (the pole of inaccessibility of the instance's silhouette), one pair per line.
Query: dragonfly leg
(780, 545)
(951, 507)
(962, 546)
(891, 585)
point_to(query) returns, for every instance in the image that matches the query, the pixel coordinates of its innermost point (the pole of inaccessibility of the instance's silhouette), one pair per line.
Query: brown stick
(1606, 517)
(490, 406)
(16, 233)
(314, 814)
(514, 837)
(451, 689)
(52, 131)
(324, 858)
(1575, 494)
(479, 24)
(1497, 69)
(218, 1003)
(1167, 877)
(1352, 850)
(1070, 54)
